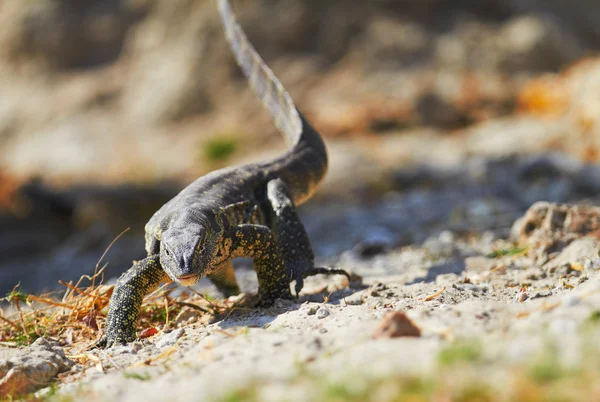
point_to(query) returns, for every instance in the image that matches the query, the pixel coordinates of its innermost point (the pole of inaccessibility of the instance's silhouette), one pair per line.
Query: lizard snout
(187, 280)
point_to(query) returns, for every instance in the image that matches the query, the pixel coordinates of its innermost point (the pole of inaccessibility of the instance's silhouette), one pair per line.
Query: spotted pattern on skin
(241, 211)
(258, 242)
(224, 278)
(139, 280)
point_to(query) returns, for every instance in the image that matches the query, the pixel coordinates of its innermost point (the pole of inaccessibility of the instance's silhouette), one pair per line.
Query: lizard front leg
(124, 307)
(257, 242)
(291, 236)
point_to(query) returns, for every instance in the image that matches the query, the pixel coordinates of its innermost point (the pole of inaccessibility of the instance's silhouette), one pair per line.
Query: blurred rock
(578, 252)
(65, 34)
(396, 324)
(169, 339)
(179, 39)
(32, 368)
(442, 245)
(537, 42)
(137, 71)
(549, 229)
(323, 312)
(40, 218)
(390, 43)
(435, 111)
(582, 15)
(129, 90)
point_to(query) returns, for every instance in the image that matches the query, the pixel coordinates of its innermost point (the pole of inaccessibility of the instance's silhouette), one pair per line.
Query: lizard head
(186, 255)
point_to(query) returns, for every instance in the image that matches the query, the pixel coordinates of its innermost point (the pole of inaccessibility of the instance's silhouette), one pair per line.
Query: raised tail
(262, 80)
(306, 163)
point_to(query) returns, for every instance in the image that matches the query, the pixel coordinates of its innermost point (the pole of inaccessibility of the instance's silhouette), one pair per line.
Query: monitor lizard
(240, 211)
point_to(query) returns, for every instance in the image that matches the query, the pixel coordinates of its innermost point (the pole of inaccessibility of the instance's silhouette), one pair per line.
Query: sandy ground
(506, 308)
(420, 204)
(496, 313)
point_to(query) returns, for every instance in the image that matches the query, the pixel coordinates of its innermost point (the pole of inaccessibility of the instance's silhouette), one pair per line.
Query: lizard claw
(101, 344)
(327, 271)
(108, 341)
(299, 284)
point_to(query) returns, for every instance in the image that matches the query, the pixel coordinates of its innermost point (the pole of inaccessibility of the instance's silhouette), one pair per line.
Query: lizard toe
(101, 344)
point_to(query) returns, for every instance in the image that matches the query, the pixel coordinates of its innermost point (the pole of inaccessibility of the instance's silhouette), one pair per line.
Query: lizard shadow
(255, 317)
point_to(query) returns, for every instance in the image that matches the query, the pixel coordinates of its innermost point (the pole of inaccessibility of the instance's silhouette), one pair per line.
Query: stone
(579, 252)
(592, 264)
(169, 339)
(480, 263)
(323, 312)
(32, 368)
(547, 228)
(187, 315)
(396, 324)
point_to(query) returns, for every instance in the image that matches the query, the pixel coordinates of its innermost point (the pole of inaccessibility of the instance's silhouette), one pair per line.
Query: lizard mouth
(187, 280)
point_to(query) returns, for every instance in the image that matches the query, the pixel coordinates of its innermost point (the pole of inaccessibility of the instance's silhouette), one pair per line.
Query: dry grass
(76, 319)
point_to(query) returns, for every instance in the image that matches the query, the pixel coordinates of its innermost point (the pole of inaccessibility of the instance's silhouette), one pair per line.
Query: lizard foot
(101, 344)
(106, 343)
(110, 340)
(256, 300)
(268, 299)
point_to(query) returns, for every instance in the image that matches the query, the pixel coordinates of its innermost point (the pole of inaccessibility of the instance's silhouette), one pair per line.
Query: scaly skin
(243, 211)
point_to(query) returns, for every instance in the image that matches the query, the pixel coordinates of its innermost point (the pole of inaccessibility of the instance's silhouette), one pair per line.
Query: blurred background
(438, 115)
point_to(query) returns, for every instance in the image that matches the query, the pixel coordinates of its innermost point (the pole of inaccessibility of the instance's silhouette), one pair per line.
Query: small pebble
(472, 288)
(563, 328)
(312, 310)
(396, 324)
(376, 289)
(123, 350)
(323, 312)
(137, 346)
(169, 339)
(521, 296)
(187, 315)
(354, 300)
(592, 265)
(571, 300)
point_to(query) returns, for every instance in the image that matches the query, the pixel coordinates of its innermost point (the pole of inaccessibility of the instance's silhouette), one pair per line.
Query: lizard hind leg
(224, 279)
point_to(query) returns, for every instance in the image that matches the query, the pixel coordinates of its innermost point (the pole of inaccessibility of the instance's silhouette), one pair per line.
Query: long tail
(305, 164)
(262, 80)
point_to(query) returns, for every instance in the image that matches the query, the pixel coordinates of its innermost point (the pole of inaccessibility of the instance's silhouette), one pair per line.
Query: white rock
(323, 312)
(169, 339)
